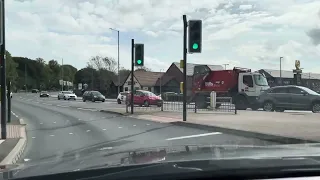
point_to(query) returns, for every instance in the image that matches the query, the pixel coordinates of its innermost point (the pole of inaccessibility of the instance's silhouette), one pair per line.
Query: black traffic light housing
(195, 36)
(139, 55)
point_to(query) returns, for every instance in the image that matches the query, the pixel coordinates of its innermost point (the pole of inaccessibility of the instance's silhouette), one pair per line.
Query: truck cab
(250, 86)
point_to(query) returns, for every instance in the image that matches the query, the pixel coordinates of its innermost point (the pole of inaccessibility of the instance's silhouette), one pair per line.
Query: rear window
(123, 93)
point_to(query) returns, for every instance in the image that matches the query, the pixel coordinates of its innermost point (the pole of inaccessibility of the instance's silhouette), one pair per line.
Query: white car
(67, 95)
(122, 97)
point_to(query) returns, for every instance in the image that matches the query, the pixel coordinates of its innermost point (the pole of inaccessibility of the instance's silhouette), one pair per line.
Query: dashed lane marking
(193, 136)
(70, 133)
(51, 135)
(88, 130)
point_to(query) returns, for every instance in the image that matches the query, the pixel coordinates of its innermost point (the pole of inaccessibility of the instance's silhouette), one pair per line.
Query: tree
(106, 63)
(11, 69)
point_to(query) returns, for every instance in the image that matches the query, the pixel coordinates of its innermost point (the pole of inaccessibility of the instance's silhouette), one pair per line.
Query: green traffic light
(139, 61)
(195, 46)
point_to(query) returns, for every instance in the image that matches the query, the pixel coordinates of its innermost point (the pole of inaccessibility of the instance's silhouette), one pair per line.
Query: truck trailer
(242, 85)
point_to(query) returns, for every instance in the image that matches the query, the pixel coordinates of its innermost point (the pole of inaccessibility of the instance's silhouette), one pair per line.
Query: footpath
(12, 147)
(286, 127)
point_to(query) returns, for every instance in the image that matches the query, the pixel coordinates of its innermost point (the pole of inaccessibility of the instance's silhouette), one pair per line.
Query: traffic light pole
(3, 74)
(132, 69)
(185, 26)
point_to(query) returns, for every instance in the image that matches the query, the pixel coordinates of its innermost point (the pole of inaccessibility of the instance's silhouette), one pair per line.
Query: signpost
(3, 72)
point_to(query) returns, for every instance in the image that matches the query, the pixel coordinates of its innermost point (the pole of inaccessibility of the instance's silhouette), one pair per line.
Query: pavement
(58, 129)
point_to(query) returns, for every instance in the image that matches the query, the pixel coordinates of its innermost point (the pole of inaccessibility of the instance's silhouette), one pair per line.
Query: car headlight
(95, 96)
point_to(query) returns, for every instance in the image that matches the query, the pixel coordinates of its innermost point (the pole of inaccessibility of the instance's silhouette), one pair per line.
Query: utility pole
(118, 58)
(132, 79)
(280, 71)
(3, 72)
(92, 79)
(225, 66)
(62, 75)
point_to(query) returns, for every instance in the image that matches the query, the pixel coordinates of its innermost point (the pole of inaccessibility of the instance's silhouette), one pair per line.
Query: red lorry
(241, 84)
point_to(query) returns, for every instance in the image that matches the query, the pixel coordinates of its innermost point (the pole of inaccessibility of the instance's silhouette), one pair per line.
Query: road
(56, 130)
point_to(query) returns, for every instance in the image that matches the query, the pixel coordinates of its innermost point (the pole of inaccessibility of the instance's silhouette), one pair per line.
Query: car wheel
(119, 101)
(65, 98)
(103, 100)
(241, 103)
(58, 98)
(146, 103)
(268, 106)
(83, 100)
(316, 107)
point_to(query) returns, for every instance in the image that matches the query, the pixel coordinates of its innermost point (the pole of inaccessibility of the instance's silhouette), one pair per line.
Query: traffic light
(195, 36)
(139, 55)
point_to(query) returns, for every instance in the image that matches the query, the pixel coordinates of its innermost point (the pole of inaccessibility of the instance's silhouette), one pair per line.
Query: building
(310, 80)
(145, 80)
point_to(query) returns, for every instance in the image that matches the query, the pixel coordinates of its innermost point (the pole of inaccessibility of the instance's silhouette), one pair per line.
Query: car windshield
(309, 91)
(73, 64)
(96, 93)
(260, 80)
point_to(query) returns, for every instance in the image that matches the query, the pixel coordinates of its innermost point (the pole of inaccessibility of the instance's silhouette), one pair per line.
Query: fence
(175, 104)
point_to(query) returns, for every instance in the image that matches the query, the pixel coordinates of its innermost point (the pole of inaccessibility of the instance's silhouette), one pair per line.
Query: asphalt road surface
(56, 130)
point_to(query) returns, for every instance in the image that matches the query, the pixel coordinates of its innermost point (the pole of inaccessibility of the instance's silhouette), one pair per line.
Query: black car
(34, 90)
(44, 94)
(93, 96)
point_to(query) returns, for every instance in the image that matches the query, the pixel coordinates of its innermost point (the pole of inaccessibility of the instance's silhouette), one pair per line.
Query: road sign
(1, 22)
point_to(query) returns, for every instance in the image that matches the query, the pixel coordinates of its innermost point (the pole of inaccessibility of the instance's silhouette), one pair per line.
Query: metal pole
(3, 76)
(62, 75)
(118, 63)
(280, 71)
(9, 101)
(132, 69)
(225, 66)
(185, 25)
(92, 79)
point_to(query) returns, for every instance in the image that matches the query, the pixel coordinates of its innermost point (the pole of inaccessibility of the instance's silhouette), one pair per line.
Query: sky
(247, 33)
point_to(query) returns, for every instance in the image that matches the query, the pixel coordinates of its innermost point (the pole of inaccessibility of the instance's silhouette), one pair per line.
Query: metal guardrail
(224, 105)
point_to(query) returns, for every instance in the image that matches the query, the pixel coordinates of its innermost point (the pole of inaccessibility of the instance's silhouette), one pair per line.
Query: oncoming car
(67, 95)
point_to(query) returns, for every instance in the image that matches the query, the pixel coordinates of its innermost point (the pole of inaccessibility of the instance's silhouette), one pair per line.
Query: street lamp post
(280, 71)
(118, 58)
(225, 66)
(160, 82)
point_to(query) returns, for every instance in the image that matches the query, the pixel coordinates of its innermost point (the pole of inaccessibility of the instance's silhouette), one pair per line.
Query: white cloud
(248, 33)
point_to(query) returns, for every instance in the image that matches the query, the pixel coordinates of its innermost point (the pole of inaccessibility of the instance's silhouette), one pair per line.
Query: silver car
(66, 95)
(291, 97)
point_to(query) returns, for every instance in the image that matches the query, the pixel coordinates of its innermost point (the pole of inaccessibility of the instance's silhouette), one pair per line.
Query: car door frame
(282, 99)
(299, 101)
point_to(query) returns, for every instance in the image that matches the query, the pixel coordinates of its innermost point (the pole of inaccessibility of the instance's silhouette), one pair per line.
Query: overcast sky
(251, 34)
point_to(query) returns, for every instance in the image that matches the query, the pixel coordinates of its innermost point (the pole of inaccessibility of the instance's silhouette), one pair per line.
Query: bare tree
(103, 63)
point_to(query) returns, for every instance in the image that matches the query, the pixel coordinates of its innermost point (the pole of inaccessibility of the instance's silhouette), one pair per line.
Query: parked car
(122, 97)
(93, 96)
(34, 91)
(67, 95)
(283, 98)
(44, 94)
(145, 98)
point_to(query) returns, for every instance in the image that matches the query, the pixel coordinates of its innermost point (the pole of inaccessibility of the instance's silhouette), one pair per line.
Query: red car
(145, 98)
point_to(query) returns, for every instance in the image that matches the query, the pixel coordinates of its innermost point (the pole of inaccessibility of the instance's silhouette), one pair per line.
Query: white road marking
(51, 135)
(70, 133)
(26, 160)
(79, 119)
(105, 148)
(193, 136)
(134, 125)
(148, 124)
(119, 127)
(103, 117)
(104, 129)
(54, 122)
(41, 123)
(33, 137)
(88, 130)
(1, 141)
